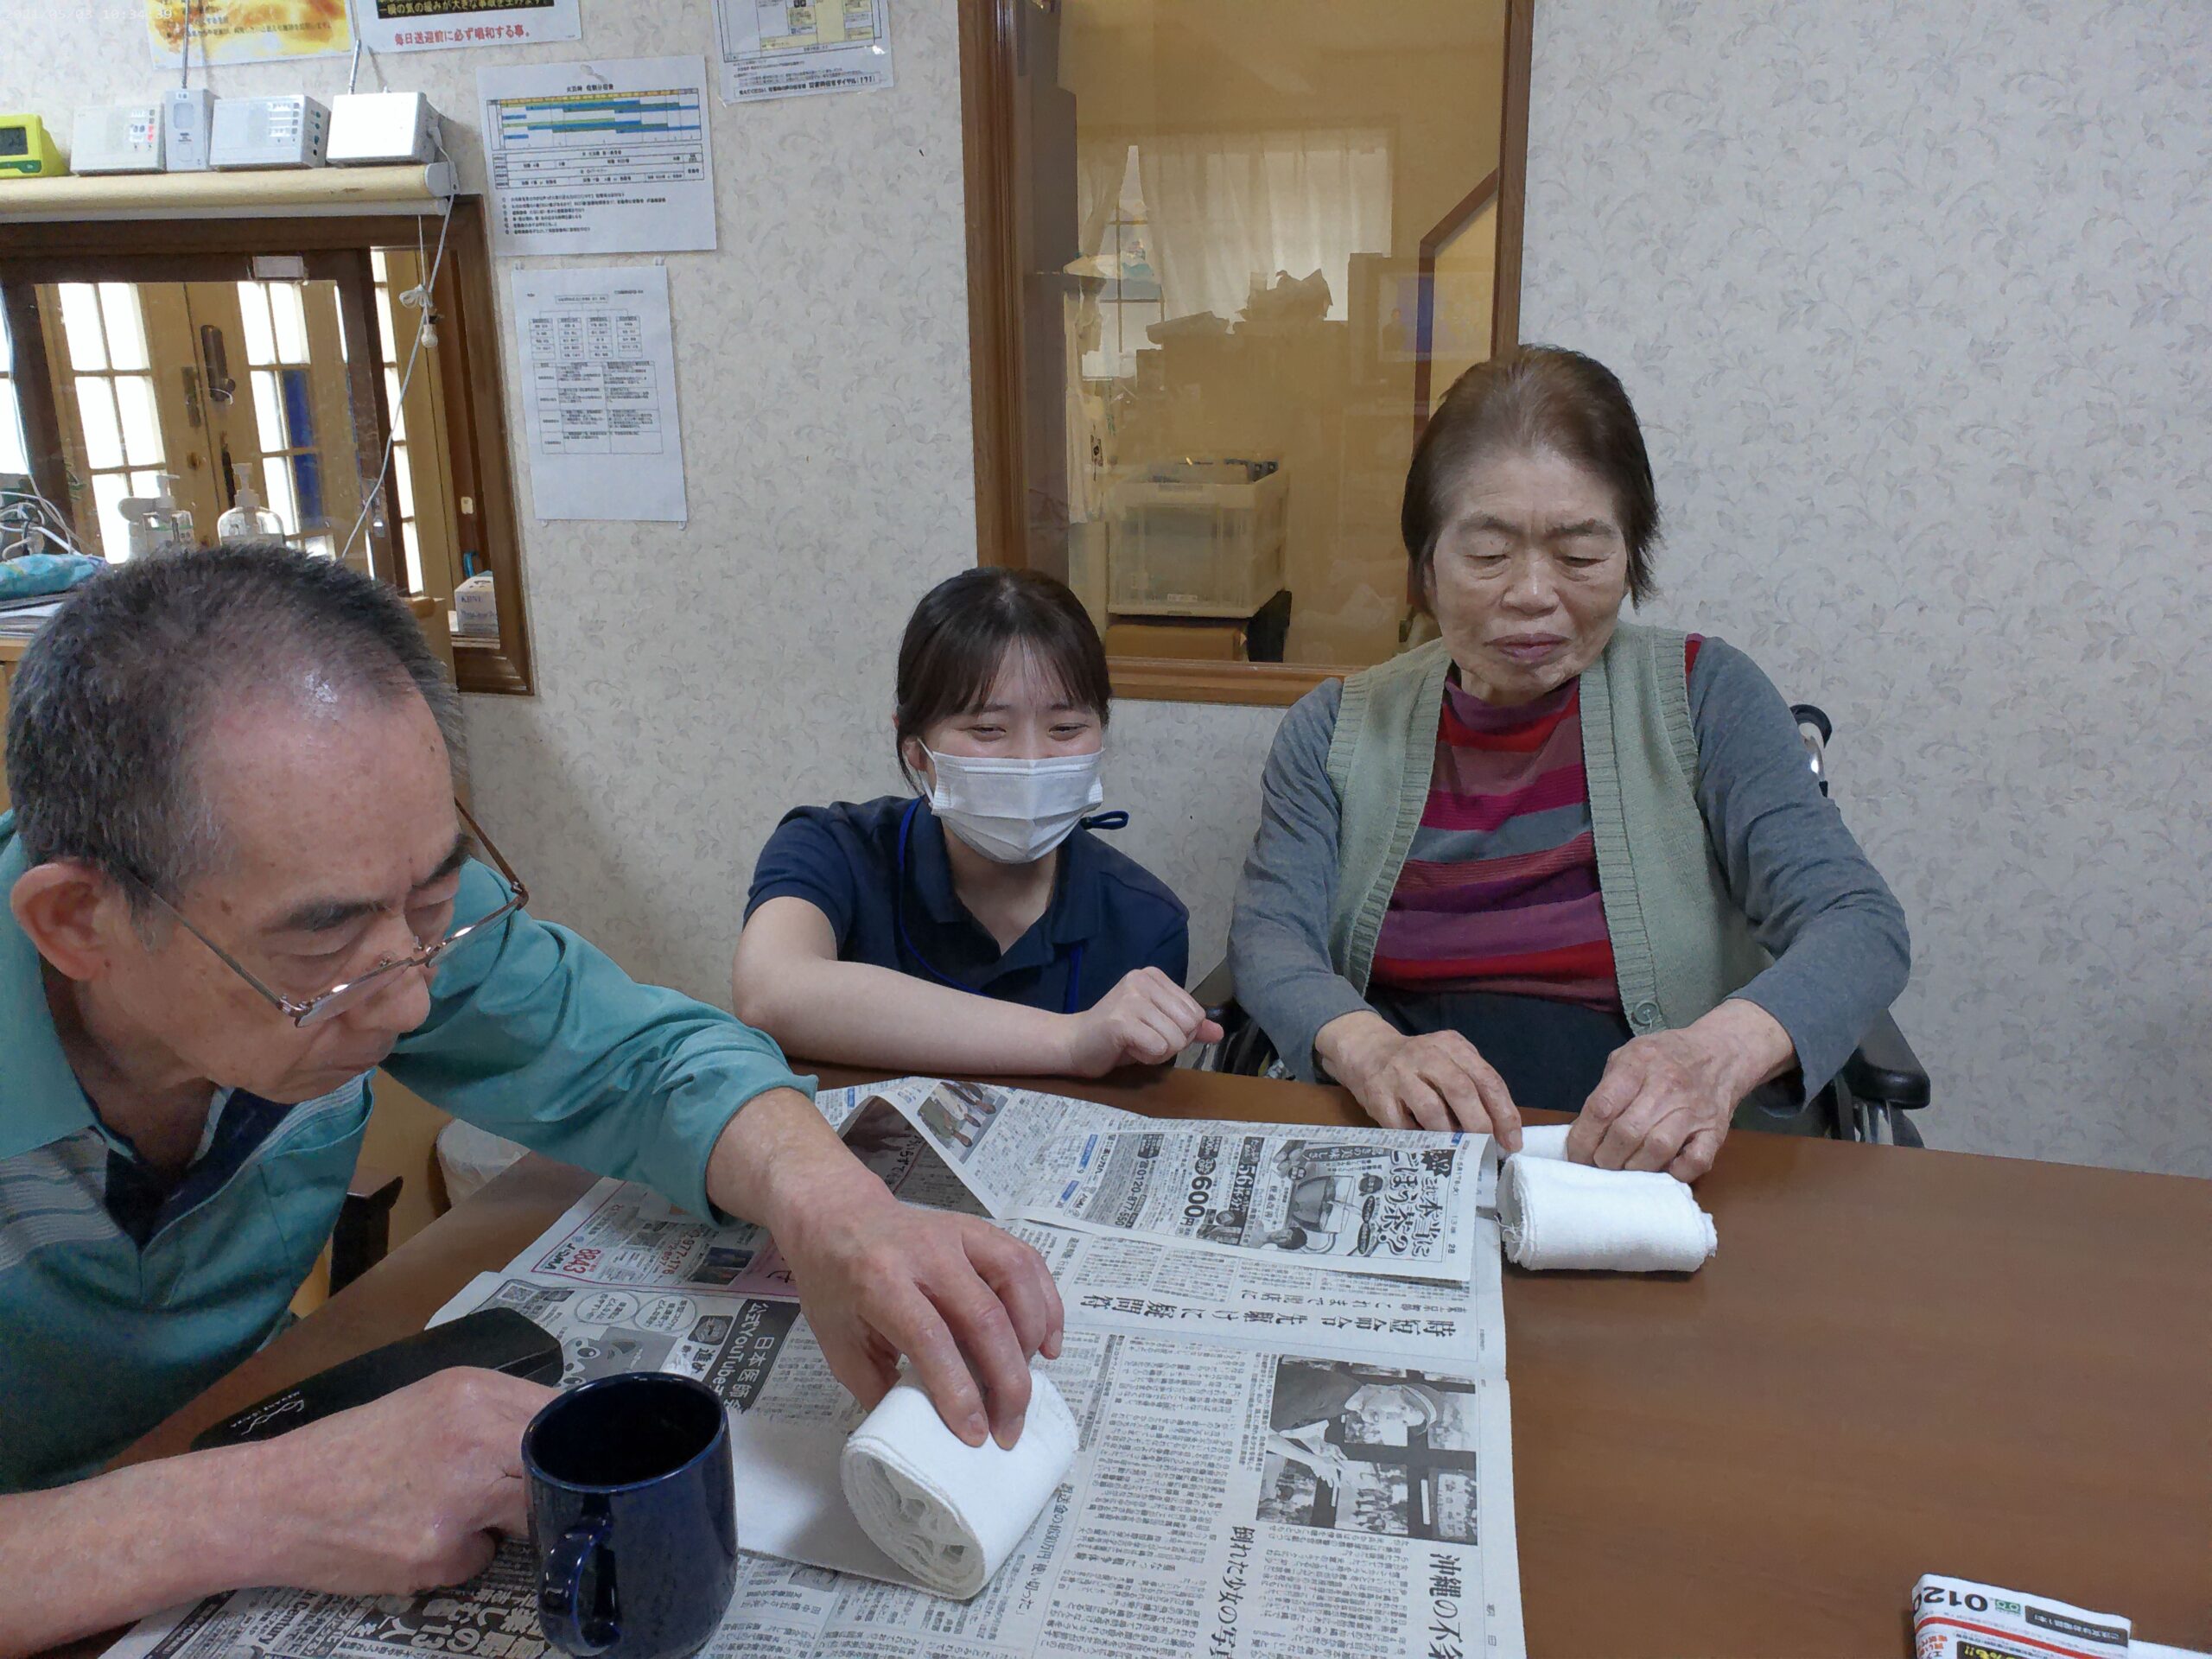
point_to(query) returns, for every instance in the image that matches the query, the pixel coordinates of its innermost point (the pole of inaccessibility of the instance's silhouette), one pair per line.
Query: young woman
(977, 925)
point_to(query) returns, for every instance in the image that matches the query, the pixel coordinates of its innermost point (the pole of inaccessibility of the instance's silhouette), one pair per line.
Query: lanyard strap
(899, 915)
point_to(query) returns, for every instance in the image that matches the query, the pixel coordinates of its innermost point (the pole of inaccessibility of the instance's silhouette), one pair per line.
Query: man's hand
(403, 1493)
(1147, 1019)
(1435, 1081)
(1665, 1100)
(966, 1302)
(385, 1499)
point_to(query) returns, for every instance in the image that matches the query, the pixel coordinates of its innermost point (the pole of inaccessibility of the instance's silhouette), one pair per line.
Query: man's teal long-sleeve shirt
(122, 1296)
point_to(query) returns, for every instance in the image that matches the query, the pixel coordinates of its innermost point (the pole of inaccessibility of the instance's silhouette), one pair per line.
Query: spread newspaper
(1285, 1351)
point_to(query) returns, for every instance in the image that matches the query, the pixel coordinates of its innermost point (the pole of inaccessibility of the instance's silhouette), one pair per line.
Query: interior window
(1249, 244)
(328, 370)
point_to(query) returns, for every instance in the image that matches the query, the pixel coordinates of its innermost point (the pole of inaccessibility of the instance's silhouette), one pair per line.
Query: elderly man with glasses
(239, 883)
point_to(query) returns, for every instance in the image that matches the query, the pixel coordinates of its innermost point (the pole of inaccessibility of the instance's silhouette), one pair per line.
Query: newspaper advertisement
(775, 48)
(1958, 1618)
(1279, 1459)
(1013, 1147)
(992, 1138)
(1410, 1212)
(1145, 1288)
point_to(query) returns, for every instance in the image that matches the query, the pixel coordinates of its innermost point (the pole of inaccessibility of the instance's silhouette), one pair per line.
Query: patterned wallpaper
(1915, 301)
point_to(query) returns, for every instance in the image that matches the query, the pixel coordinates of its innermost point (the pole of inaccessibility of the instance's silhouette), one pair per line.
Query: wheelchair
(1868, 1100)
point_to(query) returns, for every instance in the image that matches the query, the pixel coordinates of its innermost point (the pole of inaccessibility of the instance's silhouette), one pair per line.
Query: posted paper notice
(771, 49)
(424, 25)
(243, 31)
(608, 156)
(598, 393)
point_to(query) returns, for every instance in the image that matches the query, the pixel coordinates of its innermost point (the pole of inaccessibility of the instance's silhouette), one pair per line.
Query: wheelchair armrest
(1883, 1070)
(362, 1234)
(1218, 988)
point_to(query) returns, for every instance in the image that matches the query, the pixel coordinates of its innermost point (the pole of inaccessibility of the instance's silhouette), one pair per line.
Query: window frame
(994, 114)
(336, 247)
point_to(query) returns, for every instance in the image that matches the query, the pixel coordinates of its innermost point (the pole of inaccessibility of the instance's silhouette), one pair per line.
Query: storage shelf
(283, 192)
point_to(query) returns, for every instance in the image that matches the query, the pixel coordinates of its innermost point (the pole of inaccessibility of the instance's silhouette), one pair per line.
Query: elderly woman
(1553, 858)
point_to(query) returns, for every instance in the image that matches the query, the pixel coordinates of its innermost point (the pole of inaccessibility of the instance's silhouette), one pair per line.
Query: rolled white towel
(1555, 1214)
(1543, 1141)
(947, 1512)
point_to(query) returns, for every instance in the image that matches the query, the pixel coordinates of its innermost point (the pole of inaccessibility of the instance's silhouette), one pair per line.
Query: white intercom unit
(288, 131)
(382, 129)
(117, 138)
(187, 112)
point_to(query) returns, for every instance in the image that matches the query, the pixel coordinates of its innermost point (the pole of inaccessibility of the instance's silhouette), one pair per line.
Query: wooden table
(1901, 1362)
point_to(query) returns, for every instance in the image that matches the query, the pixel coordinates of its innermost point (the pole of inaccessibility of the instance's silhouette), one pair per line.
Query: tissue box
(476, 607)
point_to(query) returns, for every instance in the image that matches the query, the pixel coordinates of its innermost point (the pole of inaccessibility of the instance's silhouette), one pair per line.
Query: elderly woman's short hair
(1536, 397)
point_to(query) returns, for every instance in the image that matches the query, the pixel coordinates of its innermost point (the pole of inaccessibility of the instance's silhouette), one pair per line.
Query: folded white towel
(1555, 1214)
(947, 1512)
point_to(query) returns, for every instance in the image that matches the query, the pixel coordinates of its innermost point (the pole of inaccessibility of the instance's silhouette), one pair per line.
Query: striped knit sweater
(1499, 891)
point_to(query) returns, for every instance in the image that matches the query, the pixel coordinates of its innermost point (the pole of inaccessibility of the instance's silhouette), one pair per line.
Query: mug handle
(560, 1591)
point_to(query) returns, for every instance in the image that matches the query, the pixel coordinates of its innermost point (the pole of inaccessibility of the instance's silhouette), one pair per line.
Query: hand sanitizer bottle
(249, 521)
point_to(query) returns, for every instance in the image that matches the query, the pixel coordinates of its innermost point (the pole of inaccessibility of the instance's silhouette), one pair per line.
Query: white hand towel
(1543, 1141)
(1555, 1214)
(947, 1512)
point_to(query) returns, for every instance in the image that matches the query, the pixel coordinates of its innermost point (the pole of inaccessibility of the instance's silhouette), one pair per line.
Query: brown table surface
(1901, 1362)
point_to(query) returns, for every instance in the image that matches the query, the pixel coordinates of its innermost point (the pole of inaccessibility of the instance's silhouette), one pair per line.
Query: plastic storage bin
(1196, 538)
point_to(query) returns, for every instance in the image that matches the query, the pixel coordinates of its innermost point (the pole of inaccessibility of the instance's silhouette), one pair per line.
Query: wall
(1914, 300)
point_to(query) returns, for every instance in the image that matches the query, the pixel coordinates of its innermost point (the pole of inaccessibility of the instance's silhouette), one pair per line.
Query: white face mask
(1014, 811)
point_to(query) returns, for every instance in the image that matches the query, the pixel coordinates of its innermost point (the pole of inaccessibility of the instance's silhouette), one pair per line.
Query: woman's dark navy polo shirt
(1108, 913)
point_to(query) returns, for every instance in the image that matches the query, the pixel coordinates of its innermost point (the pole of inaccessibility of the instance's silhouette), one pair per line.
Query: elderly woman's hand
(1665, 1099)
(1435, 1081)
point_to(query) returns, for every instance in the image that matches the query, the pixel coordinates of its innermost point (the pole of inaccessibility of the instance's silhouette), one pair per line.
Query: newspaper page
(1015, 1149)
(622, 1234)
(1239, 1503)
(1410, 1212)
(1279, 1459)
(1146, 1287)
(991, 1137)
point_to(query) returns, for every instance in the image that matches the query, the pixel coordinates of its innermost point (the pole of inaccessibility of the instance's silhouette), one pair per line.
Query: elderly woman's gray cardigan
(1723, 870)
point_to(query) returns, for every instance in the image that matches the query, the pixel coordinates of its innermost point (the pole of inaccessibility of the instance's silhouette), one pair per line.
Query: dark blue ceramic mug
(633, 1517)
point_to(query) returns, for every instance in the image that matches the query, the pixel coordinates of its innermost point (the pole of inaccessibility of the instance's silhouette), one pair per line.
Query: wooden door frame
(992, 153)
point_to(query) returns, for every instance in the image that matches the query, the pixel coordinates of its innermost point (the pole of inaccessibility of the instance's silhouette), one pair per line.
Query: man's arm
(965, 1301)
(536, 1035)
(387, 1499)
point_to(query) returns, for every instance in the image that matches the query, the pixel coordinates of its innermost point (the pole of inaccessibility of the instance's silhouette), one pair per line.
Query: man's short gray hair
(114, 695)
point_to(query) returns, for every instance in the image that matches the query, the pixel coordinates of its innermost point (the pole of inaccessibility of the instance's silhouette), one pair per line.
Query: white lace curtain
(1226, 207)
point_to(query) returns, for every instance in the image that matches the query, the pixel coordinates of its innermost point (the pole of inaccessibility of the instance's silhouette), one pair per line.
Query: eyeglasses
(353, 992)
